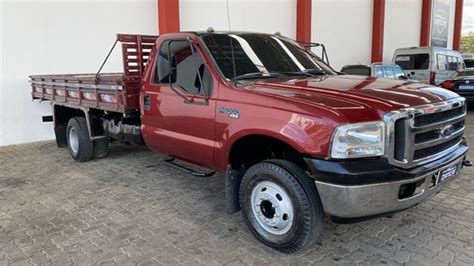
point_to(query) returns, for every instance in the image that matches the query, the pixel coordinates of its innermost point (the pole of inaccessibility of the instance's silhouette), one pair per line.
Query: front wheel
(281, 205)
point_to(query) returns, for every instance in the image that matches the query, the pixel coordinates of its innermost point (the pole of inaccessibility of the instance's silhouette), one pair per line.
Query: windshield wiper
(307, 72)
(254, 75)
(315, 71)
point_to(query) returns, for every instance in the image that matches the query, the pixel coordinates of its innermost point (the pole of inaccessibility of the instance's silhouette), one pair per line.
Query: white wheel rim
(272, 207)
(73, 140)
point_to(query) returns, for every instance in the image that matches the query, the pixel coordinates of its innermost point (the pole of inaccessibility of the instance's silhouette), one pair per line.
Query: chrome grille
(426, 119)
(421, 134)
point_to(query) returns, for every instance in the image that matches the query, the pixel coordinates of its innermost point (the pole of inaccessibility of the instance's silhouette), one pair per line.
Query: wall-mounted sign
(439, 24)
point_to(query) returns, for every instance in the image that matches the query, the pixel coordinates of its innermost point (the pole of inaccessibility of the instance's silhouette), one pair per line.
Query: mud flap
(232, 185)
(60, 133)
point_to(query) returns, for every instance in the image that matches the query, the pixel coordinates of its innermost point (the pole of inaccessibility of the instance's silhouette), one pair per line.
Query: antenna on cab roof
(230, 38)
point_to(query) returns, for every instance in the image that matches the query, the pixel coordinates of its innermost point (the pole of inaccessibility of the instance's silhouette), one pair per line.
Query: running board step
(171, 162)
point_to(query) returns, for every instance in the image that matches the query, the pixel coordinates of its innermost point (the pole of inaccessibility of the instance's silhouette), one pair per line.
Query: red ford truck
(296, 140)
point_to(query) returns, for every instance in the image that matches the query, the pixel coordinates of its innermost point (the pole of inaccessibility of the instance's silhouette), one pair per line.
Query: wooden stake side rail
(113, 92)
(116, 92)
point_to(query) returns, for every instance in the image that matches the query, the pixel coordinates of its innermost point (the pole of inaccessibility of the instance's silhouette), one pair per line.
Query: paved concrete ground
(129, 208)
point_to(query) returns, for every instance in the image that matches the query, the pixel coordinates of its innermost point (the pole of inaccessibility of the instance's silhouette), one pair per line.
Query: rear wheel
(281, 205)
(79, 143)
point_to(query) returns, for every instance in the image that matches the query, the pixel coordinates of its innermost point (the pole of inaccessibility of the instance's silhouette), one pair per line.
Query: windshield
(398, 72)
(267, 55)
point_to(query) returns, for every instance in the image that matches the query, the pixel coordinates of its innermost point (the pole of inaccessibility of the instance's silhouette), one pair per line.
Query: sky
(468, 17)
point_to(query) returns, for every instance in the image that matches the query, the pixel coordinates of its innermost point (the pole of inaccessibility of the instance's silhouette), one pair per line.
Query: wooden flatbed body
(113, 92)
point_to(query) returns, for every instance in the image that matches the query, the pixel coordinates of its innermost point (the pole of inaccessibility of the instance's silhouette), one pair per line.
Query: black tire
(308, 215)
(79, 143)
(101, 148)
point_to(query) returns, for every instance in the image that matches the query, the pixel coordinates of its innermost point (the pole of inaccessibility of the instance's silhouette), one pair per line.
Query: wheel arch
(240, 157)
(61, 116)
(63, 113)
(269, 142)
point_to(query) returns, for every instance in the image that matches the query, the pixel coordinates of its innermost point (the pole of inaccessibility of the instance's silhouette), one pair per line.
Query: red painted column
(457, 24)
(425, 31)
(168, 16)
(303, 20)
(378, 19)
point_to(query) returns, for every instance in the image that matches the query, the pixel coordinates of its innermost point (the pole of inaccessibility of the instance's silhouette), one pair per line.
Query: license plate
(447, 173)
(466, 87)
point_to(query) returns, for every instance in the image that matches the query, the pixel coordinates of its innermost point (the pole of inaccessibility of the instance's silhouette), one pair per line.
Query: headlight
(358, 140)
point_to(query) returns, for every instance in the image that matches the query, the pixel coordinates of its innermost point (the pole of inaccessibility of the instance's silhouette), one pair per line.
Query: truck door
(179, 109)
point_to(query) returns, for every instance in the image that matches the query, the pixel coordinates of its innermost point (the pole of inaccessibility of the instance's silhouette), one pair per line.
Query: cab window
(442, 61)
(186, 65)
(162, 65)
(454, 63)
(451, 63)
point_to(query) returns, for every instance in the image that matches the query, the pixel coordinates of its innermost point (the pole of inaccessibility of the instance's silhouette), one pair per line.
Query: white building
(41, 37)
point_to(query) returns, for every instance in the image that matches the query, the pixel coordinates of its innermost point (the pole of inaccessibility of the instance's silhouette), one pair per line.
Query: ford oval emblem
(447, 131)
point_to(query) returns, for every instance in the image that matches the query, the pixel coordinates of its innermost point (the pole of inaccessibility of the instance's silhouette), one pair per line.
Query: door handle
(146, 102)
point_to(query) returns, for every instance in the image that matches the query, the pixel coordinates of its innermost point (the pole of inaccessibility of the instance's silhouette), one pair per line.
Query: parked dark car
(462, 82)
(379, 70)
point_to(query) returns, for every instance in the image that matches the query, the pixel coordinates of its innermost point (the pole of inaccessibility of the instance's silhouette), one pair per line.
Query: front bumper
(356, 189)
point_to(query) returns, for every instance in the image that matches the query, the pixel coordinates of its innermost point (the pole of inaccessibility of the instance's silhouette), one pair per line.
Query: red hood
(346, 94)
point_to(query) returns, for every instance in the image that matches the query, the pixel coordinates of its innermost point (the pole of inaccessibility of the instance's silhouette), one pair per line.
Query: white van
(430, 65)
